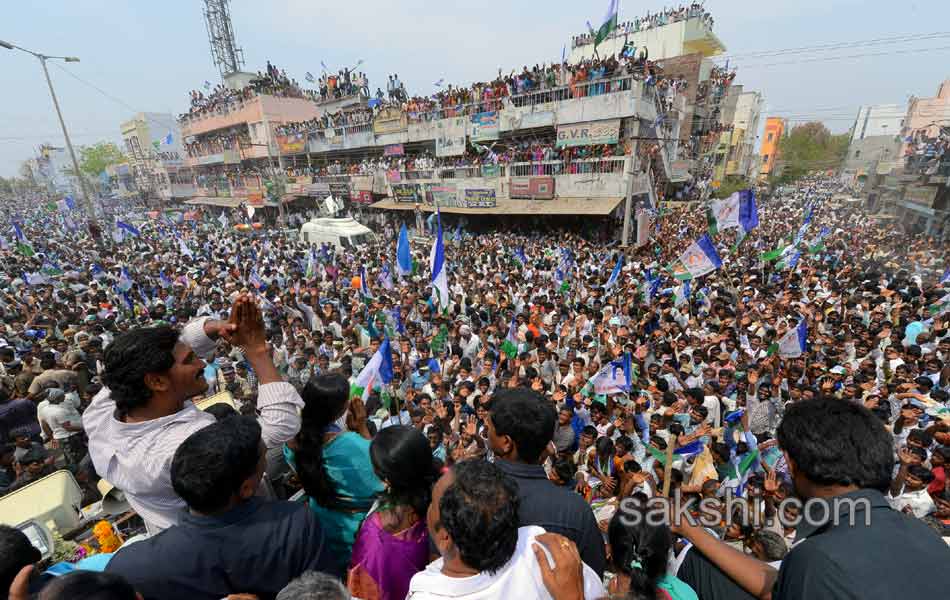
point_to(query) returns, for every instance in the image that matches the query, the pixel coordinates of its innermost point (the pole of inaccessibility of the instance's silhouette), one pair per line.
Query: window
(771, 136)
(765, 158)
(857, 154)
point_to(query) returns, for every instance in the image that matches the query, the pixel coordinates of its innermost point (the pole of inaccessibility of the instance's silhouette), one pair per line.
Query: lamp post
(86, 201)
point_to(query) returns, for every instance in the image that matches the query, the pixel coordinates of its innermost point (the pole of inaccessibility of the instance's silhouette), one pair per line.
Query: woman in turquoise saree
(333, 465)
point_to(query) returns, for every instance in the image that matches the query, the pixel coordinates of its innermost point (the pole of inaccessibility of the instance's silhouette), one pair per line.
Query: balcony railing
(583, 89)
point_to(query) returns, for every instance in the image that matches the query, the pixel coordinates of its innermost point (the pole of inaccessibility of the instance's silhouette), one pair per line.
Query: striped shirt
(137, 457)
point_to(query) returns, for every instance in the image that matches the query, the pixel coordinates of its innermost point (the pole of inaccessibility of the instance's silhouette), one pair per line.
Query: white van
(343, 232)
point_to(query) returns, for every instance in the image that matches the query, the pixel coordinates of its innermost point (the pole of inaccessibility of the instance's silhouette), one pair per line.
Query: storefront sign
(317, 189)
(394, 150)
(390, 120)
(588, 134)
(924, 196)
(361, 196)
(405, 192)
(441, 195)
(532, 188)
(478, 198)
(292, 144)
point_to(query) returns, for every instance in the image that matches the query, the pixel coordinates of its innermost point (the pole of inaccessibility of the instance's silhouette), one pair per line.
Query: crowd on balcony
(926, 150)
(271, 82)
(343, 84)
(217, 143)
(347, 117)
(715, 87)
(667, 16)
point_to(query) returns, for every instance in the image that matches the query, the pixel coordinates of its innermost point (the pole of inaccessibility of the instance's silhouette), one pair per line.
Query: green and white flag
(510, 345)
(939, 307)
(609, 24)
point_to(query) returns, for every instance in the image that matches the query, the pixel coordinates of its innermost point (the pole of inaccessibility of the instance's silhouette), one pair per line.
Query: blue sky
(147, 55)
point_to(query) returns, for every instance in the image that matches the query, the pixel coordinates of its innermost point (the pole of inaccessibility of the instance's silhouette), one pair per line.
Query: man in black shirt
(851, 544)
(520, 426)
(229, 541)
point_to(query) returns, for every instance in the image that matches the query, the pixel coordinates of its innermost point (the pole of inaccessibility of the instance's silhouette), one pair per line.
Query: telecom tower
(225, 53)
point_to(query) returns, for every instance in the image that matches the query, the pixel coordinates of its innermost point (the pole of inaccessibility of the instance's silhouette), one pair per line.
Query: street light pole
(85, 198)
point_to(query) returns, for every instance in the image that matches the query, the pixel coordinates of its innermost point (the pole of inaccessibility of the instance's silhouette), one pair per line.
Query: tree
(731, 185)
(810, 147)
(94, 159)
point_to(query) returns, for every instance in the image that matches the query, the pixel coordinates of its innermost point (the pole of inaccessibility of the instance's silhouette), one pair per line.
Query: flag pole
(668, 467)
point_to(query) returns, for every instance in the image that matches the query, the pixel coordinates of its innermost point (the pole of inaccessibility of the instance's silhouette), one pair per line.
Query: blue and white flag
(616, 377)
(437, 267)
(97, 272)
(520, 256)
(128, 228)
(184, 249)
(163, 280)
(70, 203)
(167, 140)
(615, 274)
(255, 280)
(945, 277)
(35, 279)
(403, 253)
(377, 372)
(385, 277)
(792, 344)
(697, 260)
(364, 284)
(681, 293)
(125, 282)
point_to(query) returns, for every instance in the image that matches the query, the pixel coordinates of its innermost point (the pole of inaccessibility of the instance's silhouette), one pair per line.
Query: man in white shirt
(473, 521)
(138, 420)
(908, 491)
(65, 422)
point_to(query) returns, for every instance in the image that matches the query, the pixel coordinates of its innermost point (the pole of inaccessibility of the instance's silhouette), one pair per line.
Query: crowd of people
(343, 84)
(498, 441)
(925, 151)
(221, 98)
(667, 16)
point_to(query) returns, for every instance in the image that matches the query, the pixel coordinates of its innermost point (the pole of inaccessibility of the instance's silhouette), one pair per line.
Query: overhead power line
(836, 46)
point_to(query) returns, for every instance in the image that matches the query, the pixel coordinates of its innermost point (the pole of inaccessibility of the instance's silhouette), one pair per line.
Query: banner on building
(922, 195)
(393, 176)
(485, 126)
(680, 171)
(317, 189)
(491, 170)
(390, 120)
(394, 150)
(340, 190)
(450, 136)
(255, 199)
(479, 198)
(362, 182)
(406, 192)
(532, 188)
(362, 196)
(588, 134)
(445, 196)
(292, 144)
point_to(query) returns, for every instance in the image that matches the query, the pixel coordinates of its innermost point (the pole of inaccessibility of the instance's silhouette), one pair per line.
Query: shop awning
(215, 201)
(557, 206)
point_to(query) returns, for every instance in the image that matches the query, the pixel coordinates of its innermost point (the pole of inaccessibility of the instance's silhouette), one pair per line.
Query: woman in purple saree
(393, 542)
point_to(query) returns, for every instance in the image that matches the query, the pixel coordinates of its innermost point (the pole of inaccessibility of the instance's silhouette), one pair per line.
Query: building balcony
(252, 110)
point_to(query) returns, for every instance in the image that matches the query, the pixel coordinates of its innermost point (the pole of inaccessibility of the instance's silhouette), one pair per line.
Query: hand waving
(248, 325)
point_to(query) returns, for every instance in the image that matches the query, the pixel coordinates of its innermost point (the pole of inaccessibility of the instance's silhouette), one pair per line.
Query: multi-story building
(733, 155)
(231, 150)
(154, 146)
(768, 152)
(875, 142)
(914, 184)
